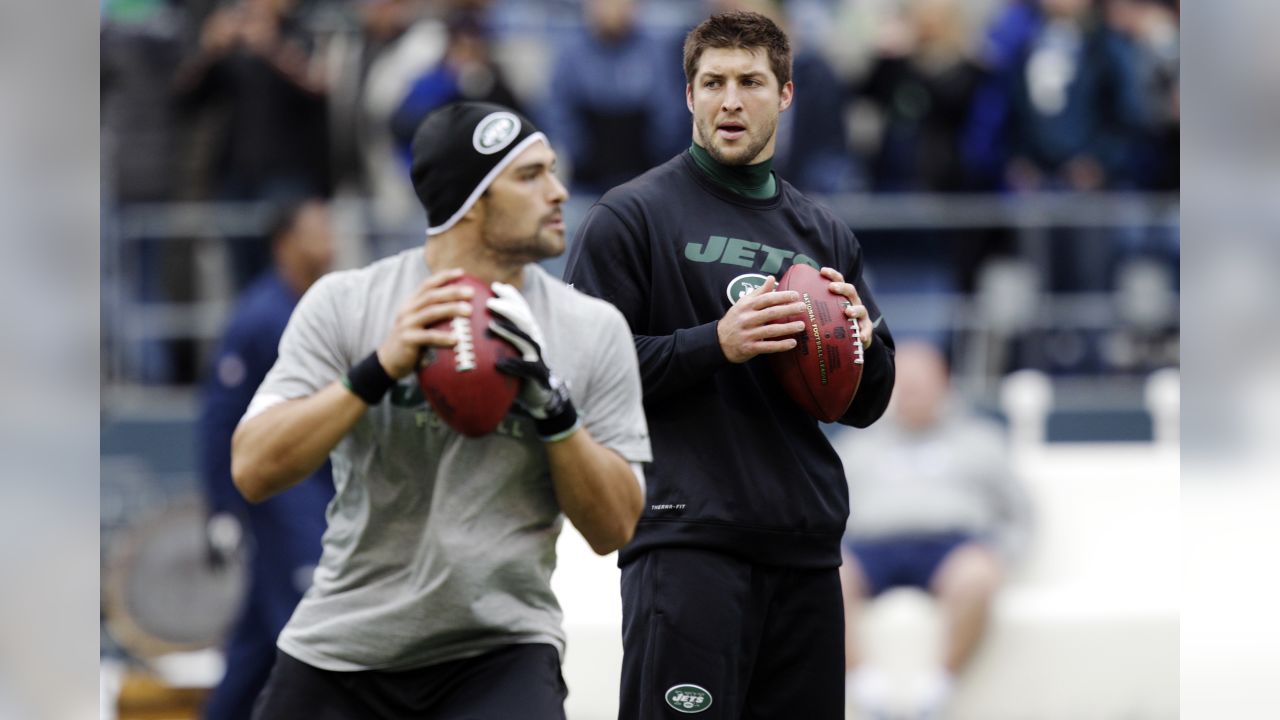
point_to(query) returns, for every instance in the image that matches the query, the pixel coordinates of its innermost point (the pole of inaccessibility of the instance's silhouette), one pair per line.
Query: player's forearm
(672, 364)
(597, 491)
(276, 449)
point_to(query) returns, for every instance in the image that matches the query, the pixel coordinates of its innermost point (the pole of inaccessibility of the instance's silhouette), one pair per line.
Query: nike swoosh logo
(876, 324)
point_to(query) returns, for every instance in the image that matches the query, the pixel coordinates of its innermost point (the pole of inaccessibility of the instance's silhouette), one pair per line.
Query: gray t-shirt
(439, 546)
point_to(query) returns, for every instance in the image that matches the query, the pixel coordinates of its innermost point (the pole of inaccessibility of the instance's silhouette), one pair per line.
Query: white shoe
(867, 691)
(933, 696)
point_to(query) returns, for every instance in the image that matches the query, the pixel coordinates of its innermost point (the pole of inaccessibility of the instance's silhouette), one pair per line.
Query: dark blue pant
(713, 635)
(286, 532)
(249, 656)
(907, 561)
(517, 681)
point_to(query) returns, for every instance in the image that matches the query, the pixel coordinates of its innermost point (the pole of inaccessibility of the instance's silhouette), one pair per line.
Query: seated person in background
(933, 505)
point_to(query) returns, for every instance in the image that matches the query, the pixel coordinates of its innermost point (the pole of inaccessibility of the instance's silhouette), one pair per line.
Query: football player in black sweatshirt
(731, 593)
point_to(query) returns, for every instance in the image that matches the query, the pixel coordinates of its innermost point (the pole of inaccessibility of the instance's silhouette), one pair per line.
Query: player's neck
(447, 251)
(754, 181)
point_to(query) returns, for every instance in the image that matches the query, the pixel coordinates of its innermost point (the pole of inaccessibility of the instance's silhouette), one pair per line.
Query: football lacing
(464, 353)
(858, 349)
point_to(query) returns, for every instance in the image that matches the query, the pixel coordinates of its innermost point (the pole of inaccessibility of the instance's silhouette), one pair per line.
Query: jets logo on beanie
(458, 150)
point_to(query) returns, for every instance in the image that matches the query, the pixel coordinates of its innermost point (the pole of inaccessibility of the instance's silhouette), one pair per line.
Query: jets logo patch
(495, 132)
(743, 285)
(688, 698)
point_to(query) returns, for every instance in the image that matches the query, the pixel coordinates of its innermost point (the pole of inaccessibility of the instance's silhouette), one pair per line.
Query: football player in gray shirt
(432, 597)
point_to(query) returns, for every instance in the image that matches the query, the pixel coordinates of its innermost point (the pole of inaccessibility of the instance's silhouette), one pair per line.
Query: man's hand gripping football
(543, 395)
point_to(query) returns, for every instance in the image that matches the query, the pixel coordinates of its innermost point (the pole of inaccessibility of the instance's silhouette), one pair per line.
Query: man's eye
(711, 84)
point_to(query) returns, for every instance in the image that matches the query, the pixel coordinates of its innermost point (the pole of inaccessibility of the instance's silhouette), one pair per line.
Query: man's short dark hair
(283, 216)
(739, 29)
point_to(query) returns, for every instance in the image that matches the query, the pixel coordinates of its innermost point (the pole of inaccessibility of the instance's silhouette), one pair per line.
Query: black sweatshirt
(738, 467)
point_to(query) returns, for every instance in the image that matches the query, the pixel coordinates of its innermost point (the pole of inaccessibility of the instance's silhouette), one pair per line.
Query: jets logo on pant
(688, 698)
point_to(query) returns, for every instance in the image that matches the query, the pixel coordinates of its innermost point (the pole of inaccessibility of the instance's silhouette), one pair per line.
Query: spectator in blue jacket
(283, 533)
(614, 106)
(468, 71)
(1075, 103)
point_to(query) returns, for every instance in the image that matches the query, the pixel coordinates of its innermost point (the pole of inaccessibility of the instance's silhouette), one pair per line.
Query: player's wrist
(560, 425)
(725, 343)
(555, 418)
(368, 380)
(398, 361)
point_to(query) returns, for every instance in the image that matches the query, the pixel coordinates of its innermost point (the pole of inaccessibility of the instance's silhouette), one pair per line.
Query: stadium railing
(202, 233)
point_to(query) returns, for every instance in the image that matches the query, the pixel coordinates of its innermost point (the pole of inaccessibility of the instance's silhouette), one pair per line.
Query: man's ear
(688, 96)
(788, 91)
(477, 211)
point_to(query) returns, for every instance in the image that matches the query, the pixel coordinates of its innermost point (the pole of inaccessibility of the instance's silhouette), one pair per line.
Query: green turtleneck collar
(753, 181)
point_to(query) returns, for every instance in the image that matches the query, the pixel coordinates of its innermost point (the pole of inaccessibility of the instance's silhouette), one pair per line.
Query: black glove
(543, 395)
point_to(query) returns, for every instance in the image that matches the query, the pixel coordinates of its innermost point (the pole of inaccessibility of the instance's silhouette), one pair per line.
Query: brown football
(821, 374)
(463, 383)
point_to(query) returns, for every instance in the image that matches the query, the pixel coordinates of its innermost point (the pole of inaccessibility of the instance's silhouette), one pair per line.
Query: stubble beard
(756, 142)
(543, 243)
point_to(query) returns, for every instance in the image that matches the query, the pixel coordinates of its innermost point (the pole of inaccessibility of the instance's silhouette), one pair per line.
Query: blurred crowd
(282, 100)
(244, 99)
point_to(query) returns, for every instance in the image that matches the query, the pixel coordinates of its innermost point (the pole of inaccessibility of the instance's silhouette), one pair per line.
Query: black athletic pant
(709, 634)
(518, 681)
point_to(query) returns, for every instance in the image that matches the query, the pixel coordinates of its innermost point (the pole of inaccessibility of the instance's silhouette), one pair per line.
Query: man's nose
(558, 192)
(732, 102)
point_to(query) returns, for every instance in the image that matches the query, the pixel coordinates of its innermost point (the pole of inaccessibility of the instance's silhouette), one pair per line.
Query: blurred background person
(933, 506)
(466, 71)
(1075, 103)
(255, 70)
(399, 42)
(1071, 119)
(139, 47)
(611, 104)
(283, 533)
(914, 103)
(1001, 41)
(1152, 27)
(921, 84)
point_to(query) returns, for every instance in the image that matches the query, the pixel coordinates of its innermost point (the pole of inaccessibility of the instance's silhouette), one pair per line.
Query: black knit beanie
(457, 152)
